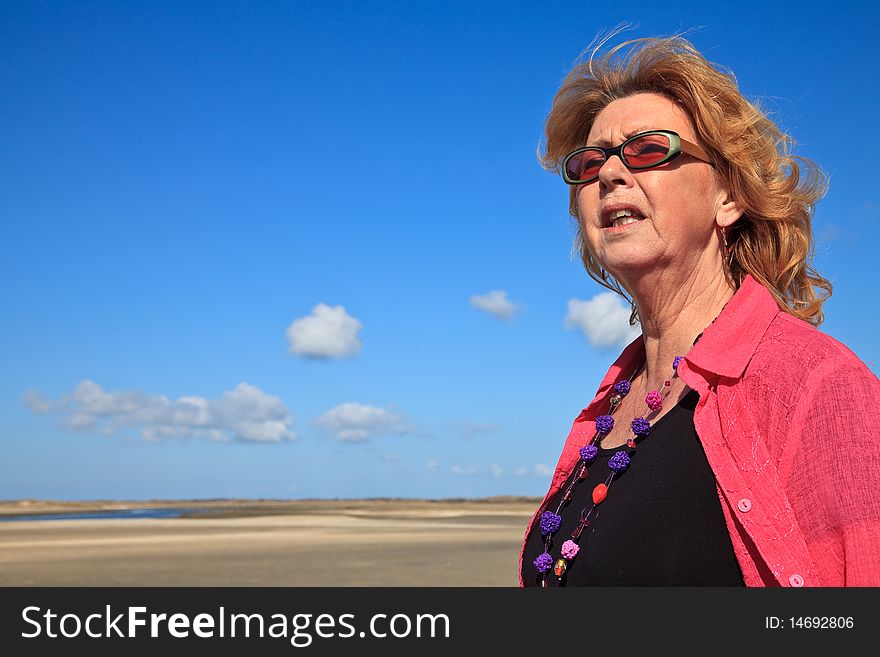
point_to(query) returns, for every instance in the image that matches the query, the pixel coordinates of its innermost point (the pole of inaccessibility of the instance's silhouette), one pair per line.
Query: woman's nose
(613, 173)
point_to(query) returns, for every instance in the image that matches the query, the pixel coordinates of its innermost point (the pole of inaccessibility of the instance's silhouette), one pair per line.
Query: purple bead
(676, 361)
(604, 423)
(588, 452)
(549, 522)
(544, 562)
(641, 427)
(622, 387)
(619, 462)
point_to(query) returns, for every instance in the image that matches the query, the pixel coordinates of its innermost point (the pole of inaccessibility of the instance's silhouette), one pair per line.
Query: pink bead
(570, 549)
(654, 400)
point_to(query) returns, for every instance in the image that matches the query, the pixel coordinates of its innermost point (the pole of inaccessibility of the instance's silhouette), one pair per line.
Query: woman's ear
(728, 212)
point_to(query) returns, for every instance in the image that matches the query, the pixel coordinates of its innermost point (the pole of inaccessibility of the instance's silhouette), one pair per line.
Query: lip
(618, 229)
(612, 208)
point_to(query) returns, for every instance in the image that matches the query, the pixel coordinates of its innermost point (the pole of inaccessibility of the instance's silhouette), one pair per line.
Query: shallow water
(172, 512)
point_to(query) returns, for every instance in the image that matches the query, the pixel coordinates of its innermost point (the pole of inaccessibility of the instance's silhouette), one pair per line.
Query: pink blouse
(786, 419)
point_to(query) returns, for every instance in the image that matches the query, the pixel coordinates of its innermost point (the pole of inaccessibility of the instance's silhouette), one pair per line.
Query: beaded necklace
(618, 463)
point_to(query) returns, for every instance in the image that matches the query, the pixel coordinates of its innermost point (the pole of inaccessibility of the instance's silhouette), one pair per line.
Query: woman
(732, 443)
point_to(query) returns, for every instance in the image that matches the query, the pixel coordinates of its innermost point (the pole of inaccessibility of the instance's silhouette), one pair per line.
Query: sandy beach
(268, 543)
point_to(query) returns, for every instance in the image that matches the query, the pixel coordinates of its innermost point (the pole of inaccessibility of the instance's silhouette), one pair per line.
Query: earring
(726, 246)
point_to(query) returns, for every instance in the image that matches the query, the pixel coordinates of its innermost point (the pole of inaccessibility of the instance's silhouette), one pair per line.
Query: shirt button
(796, 580)
(744, 505)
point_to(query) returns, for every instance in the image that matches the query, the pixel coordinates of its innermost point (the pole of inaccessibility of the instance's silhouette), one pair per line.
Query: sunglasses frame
(677, 146)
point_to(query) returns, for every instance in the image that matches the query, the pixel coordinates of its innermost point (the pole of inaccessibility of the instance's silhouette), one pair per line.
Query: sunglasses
(642, 151)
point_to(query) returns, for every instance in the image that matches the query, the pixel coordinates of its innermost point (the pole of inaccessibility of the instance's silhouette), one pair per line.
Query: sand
(269, 543)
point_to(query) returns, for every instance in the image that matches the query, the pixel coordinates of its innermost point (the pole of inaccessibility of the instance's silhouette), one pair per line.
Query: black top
(660, 525)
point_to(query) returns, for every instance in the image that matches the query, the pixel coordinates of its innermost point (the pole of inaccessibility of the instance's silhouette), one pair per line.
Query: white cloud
(243, 413)
(38, 403)
(328, 332)
(496, 471)
(470, 429)
(538, 470)
(464, 470)
(496, 303)
(353, 422)
(432, 465)
(603, 319)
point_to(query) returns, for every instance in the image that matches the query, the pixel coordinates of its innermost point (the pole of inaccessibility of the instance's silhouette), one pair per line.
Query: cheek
(587, 202)
(682, 201)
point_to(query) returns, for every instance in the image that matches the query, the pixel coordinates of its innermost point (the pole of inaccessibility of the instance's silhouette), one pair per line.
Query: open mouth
(621, 217)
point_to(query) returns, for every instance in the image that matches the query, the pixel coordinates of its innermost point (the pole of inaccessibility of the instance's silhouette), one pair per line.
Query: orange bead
(599, 493)
(559, 568)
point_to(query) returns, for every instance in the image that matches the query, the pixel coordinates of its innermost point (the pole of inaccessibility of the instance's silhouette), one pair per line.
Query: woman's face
(675, 203)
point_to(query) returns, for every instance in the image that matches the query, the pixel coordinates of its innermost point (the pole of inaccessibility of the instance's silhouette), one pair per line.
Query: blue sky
(305, 249)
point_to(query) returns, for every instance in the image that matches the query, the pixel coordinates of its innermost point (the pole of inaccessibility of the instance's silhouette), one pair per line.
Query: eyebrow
(626, 135)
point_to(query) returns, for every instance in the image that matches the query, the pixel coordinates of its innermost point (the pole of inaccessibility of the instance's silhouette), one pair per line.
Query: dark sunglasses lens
(585, 165)
(646, 151)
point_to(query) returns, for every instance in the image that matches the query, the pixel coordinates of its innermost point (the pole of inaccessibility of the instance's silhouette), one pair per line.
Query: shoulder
(792, 349)
(796, 371)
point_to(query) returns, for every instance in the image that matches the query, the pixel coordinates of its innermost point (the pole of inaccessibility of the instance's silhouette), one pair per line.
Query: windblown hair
(778, 191)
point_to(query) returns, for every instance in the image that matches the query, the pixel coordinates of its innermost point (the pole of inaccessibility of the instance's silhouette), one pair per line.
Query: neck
(673, 311)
